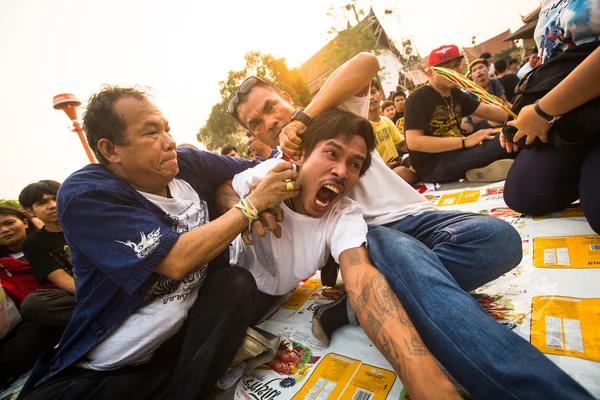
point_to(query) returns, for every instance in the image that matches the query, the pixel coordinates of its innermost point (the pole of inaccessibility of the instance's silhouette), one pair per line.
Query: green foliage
(352, 35)
(220, 128)
(10, 203)
(513, 52)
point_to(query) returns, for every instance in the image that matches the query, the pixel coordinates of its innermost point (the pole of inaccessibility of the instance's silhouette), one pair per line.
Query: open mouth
(327, 195)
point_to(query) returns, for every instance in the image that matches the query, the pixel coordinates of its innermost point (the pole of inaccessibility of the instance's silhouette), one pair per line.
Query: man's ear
(29, 211)
(301, 158)
(429, 72)
(287, 97)
(108, 150)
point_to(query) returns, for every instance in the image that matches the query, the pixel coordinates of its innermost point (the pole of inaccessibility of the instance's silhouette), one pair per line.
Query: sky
(181, 49)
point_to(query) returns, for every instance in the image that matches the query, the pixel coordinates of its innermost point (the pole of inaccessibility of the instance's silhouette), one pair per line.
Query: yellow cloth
(386, 136)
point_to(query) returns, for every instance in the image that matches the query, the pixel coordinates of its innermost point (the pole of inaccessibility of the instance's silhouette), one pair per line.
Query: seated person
(399, 99)
(531, 63)
(27, 341)
(480, 72)
(230, 151)
(159, 308)
(513, 66)
(550, 177)
(48, 253)
(509, 81)
(388, 109)
(387, 137)
(438, 150)
(259, 150)
(321, 221)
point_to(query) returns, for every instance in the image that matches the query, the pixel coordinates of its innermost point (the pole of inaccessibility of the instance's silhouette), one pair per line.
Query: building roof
(315, 70)
(526, 31)
(492, 45)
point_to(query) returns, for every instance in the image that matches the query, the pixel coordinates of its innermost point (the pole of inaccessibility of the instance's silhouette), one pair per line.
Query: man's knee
(502, 238)
(391, 248)
(33, 306)
(237, 282)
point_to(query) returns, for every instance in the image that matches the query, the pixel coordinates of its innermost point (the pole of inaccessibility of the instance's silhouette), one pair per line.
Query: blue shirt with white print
(97, 210)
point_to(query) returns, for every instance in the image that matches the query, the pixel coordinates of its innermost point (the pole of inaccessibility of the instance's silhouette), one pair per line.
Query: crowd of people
(150, 268)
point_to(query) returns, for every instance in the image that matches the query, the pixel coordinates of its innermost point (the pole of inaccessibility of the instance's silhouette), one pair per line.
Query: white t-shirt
(278, 265)
(166, 306)
(383, 196)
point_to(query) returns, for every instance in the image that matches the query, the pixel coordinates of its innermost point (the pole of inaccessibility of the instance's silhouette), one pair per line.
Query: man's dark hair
(227, 149)
(513, 61)
(398, 93)
(101, 121)
(386, 104)
(34, 192)
(485, 55)
(477, 61)
(262, 82)
(500, 66)
(333, 123)
(376, 85)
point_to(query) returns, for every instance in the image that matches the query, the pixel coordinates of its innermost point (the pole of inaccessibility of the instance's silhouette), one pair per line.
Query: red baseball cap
(444, 54)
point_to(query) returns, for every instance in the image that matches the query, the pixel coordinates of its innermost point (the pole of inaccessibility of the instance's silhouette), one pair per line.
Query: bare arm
(386, 323)
(491, 113)
(63, 280)
(418, 141)
(201, 245)
(346, 81)
(579, 87)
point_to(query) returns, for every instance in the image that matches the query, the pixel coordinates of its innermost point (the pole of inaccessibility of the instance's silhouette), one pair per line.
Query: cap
(444, 54)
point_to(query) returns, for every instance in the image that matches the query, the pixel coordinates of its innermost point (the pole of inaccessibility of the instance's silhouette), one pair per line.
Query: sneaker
(494, 172)
(329, 317)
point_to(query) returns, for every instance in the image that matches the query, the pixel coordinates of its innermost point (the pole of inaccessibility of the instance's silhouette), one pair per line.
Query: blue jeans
(454, 164)
(430, 260)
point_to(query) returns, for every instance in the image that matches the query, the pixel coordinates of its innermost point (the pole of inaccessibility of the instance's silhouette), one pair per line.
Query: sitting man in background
(48, 254)
(387, 137)
(513, 66)
(259, 150)
(388, 109)
(399, 99)
(508, 80)
(160, 311)
(438, 150)
(480, 72)
(230, 151)
(534, 58)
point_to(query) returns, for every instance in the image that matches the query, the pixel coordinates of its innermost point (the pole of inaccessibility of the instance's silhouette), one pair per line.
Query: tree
(220, 128)
(353, 35)
(10, 203)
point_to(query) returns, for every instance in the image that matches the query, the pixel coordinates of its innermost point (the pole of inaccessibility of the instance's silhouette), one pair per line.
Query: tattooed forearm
(362, 300)
(416, 347)
(373, 325)
(388, 348)
(354, 257)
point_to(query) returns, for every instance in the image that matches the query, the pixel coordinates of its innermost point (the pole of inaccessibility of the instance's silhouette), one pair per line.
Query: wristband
(251, 205)
(549, 118)
(463, 142)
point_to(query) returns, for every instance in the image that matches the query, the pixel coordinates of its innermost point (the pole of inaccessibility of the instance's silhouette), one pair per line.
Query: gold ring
(289, 186)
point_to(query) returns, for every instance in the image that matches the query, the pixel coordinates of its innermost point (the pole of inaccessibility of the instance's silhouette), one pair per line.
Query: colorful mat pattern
(551, 299)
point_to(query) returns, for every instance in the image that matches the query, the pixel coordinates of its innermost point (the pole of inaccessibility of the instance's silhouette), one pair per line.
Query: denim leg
(453, 165)
(474, 248)
(490, 361)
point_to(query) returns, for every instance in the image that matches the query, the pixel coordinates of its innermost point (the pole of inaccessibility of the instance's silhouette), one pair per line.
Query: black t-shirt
(509, 83)
(47, 252)
(426, 110)
(397, 116)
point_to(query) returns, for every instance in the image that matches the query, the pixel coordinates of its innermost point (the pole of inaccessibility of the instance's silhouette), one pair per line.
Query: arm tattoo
(363, 298)
(387, 347)
(373, 325)
(416, 347)
(353, 257)
(387, 302)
